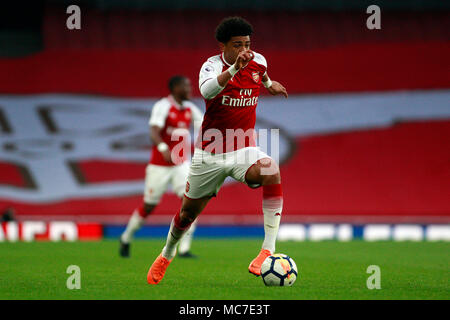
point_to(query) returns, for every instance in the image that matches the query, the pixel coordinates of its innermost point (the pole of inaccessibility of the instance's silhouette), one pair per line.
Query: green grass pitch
(327, 270)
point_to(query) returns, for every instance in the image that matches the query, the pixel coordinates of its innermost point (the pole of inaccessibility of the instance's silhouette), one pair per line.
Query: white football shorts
(208, 171)
(158, 178)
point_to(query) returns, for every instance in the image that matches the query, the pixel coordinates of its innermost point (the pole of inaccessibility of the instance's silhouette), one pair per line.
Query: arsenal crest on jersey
(255, 76)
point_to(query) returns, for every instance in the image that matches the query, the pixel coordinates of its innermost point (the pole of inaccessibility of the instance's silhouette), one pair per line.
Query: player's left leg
(266, 173)
(256, 169)
(272, 206)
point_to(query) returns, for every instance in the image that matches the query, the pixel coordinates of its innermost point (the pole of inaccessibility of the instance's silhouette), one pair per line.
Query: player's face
(234, 46)
(185, 89)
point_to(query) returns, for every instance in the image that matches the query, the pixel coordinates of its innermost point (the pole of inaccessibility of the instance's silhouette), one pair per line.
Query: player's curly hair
(232, 27)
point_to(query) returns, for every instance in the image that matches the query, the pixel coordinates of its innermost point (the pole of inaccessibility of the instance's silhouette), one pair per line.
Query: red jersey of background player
(234, 107)
(169, 115)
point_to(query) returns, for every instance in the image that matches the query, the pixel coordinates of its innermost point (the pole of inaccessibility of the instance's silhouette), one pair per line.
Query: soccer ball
(279, 270)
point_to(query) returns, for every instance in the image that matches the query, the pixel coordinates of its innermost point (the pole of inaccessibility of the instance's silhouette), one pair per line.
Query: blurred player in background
(230, 84)
(8, 215)
(171, 117)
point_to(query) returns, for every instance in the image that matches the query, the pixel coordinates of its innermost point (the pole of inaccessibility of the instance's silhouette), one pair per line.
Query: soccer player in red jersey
(171, 113)
(230, 84)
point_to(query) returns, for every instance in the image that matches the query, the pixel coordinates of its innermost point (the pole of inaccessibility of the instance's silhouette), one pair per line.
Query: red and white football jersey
(169, 115)
(233, 108)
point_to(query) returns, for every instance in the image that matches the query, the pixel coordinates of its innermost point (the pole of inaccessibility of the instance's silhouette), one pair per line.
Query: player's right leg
(206, 176)
(178, 181)
(156, 183)
(180, 224)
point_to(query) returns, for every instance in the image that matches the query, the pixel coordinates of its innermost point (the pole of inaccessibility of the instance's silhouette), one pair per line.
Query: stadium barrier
(54, 231)
(28, 231)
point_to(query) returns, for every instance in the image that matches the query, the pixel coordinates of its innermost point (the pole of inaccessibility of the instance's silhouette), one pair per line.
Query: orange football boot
(255, 265)
(157, 270)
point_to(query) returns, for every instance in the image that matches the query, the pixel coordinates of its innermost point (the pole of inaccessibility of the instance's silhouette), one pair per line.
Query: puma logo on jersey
(277, 214)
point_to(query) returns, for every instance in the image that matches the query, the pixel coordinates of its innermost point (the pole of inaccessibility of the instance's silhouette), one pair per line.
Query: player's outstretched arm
(274, 87)
(212, 86)
(242, 60)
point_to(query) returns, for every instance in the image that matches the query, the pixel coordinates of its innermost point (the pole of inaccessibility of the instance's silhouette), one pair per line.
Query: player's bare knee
(265, 172)
(271, 179)
(270, 172)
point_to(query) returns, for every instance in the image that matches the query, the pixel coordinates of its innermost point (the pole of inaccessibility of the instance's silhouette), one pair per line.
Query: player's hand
(277, 88)
(167, 156)
(243, 58)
